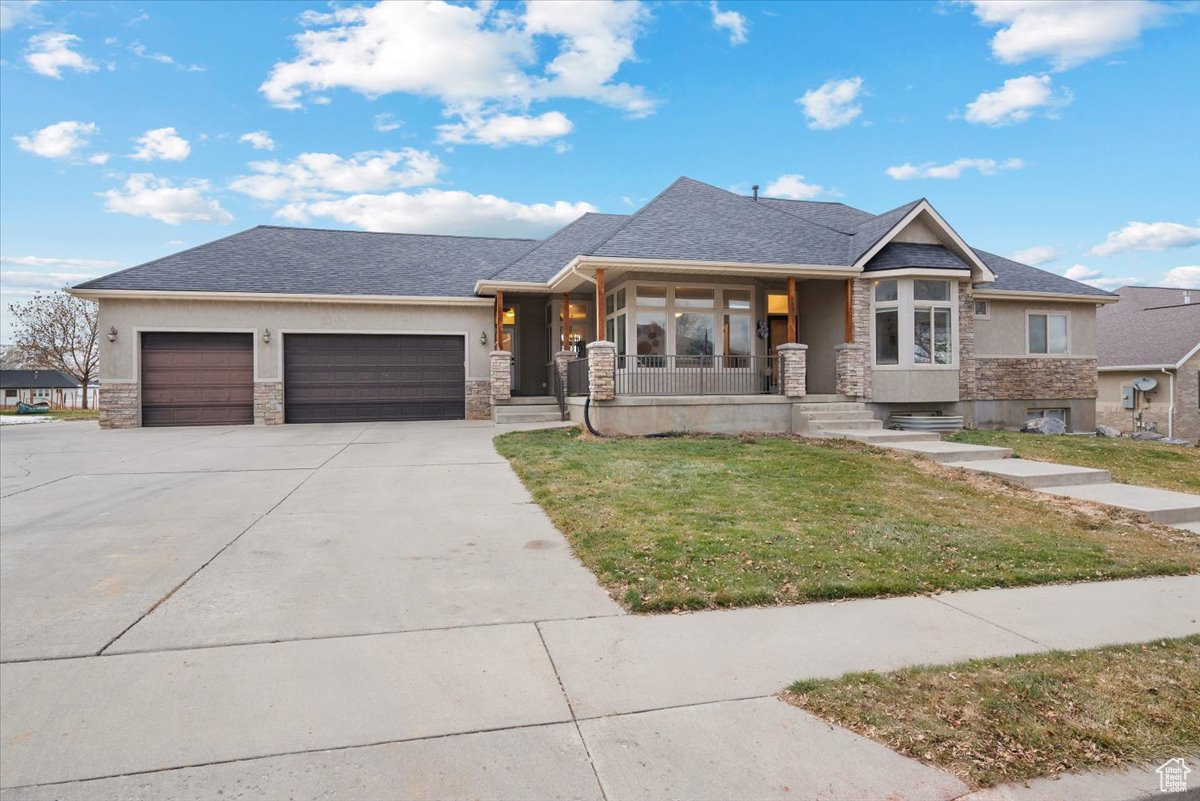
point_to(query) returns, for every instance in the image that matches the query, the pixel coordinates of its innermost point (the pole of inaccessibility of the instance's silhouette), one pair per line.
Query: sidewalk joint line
(991, 622)
(571, 708)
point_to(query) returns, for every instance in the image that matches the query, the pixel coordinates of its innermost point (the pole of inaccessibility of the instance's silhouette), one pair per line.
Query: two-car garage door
(208, 379)
(331, 378)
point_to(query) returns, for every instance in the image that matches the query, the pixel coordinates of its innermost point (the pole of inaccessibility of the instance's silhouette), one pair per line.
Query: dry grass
(705, 521)
(994, 721)
(1150, 464)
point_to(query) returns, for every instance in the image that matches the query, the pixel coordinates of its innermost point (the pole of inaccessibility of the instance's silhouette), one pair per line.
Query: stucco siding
(1003, 331)
(119, 360)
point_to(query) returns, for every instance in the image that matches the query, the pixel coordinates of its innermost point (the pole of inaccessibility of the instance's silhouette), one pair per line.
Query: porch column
(499, 333)
(793, 329)
(501, 375)
(565, 317)
(793, 369)
(852, 370)
(602, 370)
(601, 311)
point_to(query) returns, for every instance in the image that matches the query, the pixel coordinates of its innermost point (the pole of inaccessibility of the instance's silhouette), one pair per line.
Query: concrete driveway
(380, 611)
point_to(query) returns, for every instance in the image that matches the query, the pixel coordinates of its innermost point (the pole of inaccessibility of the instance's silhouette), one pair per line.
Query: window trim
(906, 307)
(987, 306)
(1066, 354)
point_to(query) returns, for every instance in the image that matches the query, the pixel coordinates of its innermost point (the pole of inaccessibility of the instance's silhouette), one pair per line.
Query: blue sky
(1062, 133)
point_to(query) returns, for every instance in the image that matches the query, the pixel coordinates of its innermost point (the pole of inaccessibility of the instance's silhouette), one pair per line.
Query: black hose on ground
(587, 417)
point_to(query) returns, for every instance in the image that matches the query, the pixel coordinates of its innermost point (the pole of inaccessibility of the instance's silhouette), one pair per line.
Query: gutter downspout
(1170, 405)
(575, 272)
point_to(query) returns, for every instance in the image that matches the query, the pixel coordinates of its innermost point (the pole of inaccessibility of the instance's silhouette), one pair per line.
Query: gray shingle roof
(1012, 276)
(868, 234)
(36, 379)
(694, 221)
(1149, 325)
(837, 216)
(555, 252)
(689, 220)
(896, 255)
(313, 261)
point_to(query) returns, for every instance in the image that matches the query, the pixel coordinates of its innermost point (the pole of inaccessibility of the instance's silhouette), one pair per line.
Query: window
(981, 309)
(777, 303)
(1050, 414)
(10, 393)
(1048, 333)
(687, 321)
(914, 322)
(41, 393)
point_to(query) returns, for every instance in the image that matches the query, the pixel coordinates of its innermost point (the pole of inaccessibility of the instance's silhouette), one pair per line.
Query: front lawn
(1171, 467)
(696, 522)
(993, 721)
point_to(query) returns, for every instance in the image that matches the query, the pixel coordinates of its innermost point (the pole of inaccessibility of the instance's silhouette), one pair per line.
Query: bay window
(914, 322)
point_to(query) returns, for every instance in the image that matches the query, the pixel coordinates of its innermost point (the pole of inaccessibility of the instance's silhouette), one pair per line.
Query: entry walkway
(1178, 509)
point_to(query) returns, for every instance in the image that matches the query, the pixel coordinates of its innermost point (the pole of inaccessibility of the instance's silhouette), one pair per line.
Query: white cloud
(1081, 272)
(161, 143)
(955, 169)
(500, 130)
(98, 158)
(731, 21)
(48, 261)
(14, 13)
(1093, 277)
(441, 211)
(467, 55)
(832, 104)
(58, 141)
(792, 186)
(322, 175)
(1067, 32)
(259, 140)
(1038, 254)
(50, 53)
(146, 195)
(1148, 236)
(1017, 100)
(1187, 277)
(140, 50)
(385, 122)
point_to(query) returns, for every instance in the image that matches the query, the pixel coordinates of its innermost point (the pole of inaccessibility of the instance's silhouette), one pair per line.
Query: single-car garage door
(338, 378)
(191, 379)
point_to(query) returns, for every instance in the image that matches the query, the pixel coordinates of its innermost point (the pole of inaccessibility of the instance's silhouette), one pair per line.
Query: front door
(776, 336)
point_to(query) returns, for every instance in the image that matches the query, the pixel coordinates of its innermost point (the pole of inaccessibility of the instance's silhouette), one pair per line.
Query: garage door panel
(197, 379)
(352, 377)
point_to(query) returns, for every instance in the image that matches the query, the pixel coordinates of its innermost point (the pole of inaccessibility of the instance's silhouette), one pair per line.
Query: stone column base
(479, 399)
(119, 406)
(268, 403)
(853, 371)
(793, 369)
(602, 370)
(501, 369)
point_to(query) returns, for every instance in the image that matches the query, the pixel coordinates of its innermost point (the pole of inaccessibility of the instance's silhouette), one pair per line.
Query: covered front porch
(629, 334)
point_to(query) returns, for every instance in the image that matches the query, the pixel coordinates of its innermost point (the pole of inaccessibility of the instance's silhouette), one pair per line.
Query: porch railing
(697, 375)
(577, 377)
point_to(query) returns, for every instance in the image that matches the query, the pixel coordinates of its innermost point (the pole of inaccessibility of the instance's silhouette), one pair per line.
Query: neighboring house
(37, 386)
(704, 310)
(1153, 332)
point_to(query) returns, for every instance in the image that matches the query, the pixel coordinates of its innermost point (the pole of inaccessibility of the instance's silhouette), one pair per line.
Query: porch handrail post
(793, 369)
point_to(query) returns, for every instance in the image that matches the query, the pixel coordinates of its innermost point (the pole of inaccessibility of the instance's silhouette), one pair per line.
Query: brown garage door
(197, 379)
(338, 378)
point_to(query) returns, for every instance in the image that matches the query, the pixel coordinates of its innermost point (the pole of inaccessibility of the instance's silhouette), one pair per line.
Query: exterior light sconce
(483, 337)
(267, 336)
(112, 333)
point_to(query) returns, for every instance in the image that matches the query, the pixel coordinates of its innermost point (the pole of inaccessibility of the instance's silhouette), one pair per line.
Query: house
(1151, 333)
(705, 310)
(39, 386)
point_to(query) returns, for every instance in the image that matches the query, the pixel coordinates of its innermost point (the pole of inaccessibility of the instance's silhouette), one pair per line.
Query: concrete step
(529, 400)
(848, 406)
(527, 414)
(819, 398)
(1192, 527)
(882, 436)
(846, 424)
(941, 451)
(836, 414)
(1172, 508)
(1035, 475)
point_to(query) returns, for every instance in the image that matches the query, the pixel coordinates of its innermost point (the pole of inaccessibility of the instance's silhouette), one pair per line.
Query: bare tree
(60, 332)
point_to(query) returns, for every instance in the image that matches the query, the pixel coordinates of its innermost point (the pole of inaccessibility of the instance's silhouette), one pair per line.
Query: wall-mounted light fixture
(483, 337)
(112, 333)
(267, 335)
